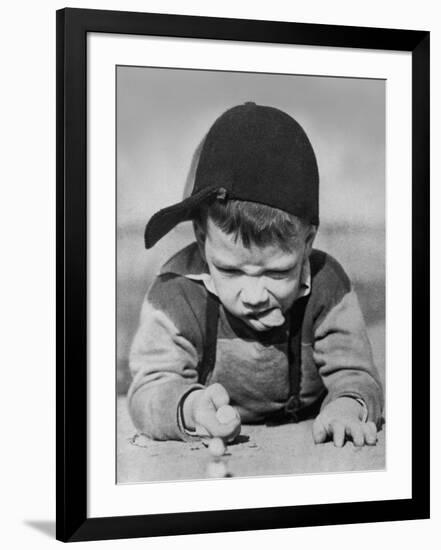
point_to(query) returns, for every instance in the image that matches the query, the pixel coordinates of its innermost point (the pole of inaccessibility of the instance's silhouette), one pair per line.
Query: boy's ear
(309, 241)
(199, 232)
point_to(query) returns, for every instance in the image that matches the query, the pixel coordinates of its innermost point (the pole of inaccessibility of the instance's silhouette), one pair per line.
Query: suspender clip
(291, 408)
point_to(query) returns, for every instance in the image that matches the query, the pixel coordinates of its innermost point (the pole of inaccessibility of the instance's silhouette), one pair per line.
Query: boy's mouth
(269, 318)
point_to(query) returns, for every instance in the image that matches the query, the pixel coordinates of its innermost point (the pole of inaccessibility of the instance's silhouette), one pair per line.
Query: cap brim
(166, 219)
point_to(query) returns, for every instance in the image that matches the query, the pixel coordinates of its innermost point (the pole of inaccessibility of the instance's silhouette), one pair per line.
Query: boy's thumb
(219, 395)
(319, 432)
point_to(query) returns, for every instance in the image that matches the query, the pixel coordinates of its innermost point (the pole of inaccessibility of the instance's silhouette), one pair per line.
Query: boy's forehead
(228, 248)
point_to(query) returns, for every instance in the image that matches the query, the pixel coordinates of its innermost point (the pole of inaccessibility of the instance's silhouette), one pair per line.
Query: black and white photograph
(218, 286)
(250, 274)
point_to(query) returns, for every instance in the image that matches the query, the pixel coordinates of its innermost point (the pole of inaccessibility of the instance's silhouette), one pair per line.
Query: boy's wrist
(364, 410)
(187, 409)
(353, 406)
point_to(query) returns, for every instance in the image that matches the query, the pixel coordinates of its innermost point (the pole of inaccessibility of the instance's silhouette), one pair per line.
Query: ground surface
(261, 450)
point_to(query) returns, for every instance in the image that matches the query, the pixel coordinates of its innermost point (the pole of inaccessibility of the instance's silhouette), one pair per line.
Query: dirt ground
(259, 451)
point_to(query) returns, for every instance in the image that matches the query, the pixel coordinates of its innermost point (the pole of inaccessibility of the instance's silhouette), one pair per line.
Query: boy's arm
(163, 359)
(343, 356)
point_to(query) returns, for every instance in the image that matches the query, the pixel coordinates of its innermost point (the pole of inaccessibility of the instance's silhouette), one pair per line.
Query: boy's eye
(278, 274)
(229, 270)
(273, 274)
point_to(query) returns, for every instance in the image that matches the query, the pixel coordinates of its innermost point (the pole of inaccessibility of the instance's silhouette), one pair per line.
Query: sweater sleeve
(342, 350)
(164, 358)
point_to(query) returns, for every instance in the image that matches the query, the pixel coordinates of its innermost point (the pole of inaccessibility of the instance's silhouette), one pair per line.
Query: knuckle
(219, 390)
(336, 425)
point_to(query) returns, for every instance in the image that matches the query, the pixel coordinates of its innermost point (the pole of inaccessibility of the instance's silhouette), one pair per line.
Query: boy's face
(257, 284)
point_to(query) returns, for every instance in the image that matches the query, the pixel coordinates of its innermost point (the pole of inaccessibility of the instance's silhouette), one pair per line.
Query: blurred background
(162, 117)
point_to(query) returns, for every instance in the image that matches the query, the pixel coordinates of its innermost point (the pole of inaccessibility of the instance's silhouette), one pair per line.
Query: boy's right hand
(199, 412)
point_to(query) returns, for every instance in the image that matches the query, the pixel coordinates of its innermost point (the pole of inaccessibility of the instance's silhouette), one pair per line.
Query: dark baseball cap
(251, 153)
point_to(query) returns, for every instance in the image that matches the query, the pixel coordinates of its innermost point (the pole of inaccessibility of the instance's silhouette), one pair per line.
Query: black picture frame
(73, 25)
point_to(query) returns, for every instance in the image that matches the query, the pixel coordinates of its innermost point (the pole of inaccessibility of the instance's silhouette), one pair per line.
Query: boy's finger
(355, 430)
(227, 431)
(216, 428)
(234, 432)
(338, 431)
(226, 414)
(370, 433)
(219, 395)
(319, 433)
(201, 431)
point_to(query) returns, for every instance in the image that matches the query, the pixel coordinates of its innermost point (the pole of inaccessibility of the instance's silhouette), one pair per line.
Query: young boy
(250, 319)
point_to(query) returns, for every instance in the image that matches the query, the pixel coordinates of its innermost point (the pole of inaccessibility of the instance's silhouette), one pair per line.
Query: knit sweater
(167, 350)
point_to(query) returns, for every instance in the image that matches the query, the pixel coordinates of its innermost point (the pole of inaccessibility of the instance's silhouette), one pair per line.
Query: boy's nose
(254, 294)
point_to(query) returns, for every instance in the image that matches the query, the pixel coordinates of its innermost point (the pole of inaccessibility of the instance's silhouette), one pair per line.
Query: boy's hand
(341, 418)
(199, 412)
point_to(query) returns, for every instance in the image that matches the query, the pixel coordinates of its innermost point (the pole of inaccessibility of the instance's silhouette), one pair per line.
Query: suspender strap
(295, 357)
(209, 351)
(294, 351)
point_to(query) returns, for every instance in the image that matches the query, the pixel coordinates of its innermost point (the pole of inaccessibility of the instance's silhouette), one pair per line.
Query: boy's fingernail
(226, 414)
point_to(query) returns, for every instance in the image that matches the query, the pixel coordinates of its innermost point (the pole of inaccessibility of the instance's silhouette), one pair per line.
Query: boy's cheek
(227, 291)
(231, 303)
(286, 297)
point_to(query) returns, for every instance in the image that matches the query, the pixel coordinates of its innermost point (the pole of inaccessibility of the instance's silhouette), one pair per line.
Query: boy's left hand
(343, 418)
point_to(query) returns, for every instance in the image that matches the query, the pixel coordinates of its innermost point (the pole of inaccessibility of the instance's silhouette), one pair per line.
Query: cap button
(250, 104)
(221, 194)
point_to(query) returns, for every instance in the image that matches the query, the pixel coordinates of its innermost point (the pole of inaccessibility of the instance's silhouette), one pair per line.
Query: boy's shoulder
(187, 262)
(330, 285)
(326, 270)
(178, 291)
